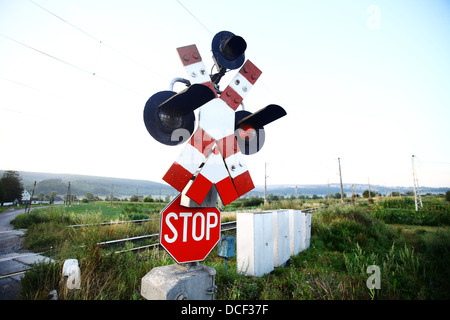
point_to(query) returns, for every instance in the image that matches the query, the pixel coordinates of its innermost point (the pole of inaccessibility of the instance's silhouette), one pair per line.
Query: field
(413, 257)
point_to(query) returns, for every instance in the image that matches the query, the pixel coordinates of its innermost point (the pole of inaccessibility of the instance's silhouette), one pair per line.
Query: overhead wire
(72, 65)
(46, 54)
(198, 20)
(77, 66)
(88, 34)
(65, 21)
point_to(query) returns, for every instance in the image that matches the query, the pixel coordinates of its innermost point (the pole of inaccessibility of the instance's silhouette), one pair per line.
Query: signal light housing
(228, 50)
(249, 143)
(167, 111)
(249, 127)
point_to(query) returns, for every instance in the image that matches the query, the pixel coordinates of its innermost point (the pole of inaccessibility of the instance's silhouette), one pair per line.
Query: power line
(88, 34)
(65, 21)
(46, 54)
(72, 65)
(29, 87)
(194, 17)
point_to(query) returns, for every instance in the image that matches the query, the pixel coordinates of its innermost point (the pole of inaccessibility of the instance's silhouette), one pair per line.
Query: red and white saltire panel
(224, 165)
(234, 160)
(217, 120)
(213, 172)
(195, 68)
(189, 160)
(198, 147)
(241, 84)
(233, 95)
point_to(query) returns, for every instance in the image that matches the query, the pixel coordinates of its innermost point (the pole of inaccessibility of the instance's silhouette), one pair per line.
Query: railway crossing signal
(213, 154)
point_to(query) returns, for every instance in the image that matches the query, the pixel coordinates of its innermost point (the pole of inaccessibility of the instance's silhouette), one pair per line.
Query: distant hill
(323, 189)
(101, 186)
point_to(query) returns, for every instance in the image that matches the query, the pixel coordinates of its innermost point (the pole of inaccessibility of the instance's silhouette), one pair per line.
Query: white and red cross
(212, 155)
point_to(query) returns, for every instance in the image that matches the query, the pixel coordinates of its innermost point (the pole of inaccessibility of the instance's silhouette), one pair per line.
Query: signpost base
(191, 281)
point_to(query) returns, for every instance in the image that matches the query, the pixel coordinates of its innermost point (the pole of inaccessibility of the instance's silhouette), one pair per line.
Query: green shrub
(437, 257)
(253, 202)
(24, 220)
(341, 228)
(422, 217)
(405, 202)
(40, 280)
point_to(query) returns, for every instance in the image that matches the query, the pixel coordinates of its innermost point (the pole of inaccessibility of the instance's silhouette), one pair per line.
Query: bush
(253, 202)
(422, 217)
(148, 199)
(341, 228)
(399, 270)
(437, 253)
(406, 203)
(39, 281)
(50, 214)
(136, 212)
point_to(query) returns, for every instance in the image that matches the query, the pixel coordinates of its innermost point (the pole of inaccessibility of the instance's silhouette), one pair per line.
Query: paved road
(12, 257)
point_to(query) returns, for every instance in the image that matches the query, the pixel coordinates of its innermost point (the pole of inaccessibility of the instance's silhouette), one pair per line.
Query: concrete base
(179, 282)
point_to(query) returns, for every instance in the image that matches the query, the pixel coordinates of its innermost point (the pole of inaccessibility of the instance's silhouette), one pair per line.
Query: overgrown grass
(413, 260)
(433, 213)
(345, 242)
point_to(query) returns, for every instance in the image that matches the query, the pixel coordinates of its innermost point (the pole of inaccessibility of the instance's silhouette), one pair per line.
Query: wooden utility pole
(68, 195)
(417, 196)
(265, 182)
(112, 195)
(31, 199)
(368, 182)
(328, 190)
(353, 194)
(340, 177)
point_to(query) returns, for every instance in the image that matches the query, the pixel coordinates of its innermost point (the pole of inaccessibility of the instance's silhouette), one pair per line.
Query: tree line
(11, 187)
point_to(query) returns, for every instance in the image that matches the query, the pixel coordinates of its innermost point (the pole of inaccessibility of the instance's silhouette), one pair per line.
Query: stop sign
(189, 234)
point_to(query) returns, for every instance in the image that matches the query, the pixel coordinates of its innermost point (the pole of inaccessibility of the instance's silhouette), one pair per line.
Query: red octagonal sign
(189, 234)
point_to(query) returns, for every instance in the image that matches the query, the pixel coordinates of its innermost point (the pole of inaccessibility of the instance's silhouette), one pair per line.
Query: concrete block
(33, 258)
(179, 282)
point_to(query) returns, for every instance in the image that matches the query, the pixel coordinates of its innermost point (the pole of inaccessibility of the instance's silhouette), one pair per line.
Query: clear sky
(365, 81)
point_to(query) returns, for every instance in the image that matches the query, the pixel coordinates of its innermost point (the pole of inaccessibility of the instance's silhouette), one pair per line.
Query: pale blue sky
(366, 81)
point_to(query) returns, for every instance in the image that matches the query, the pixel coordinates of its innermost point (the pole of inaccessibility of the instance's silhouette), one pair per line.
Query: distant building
(26, 196)
(58, 200)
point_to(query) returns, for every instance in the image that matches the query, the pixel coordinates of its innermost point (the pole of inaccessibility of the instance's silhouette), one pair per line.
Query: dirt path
(13, 259)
